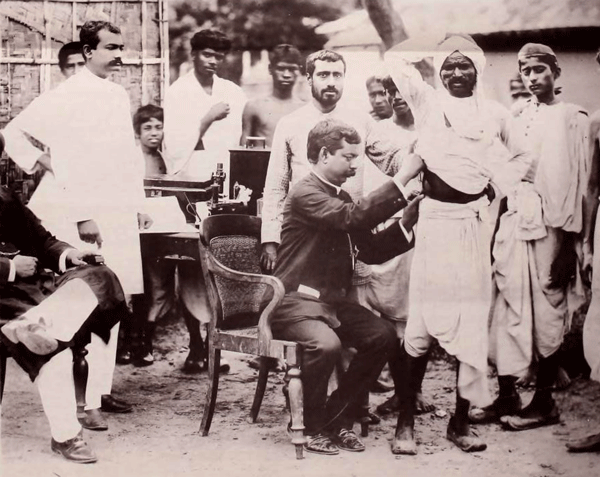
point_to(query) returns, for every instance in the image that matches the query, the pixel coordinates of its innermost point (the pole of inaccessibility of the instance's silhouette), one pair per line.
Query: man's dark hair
(322, 55)
(374, 79)
(285, 53)
(213, 39)
(550, 60)
(67, 50)
(90, 29)
(145, 114)
(388, 83)
(328, 134)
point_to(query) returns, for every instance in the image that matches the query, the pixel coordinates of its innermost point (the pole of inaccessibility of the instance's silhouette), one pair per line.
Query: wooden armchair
(243, 301)
(80, 370)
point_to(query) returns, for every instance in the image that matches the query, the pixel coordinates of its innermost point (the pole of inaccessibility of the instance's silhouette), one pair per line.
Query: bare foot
(404, 442)
(562, 380)
(423, 405)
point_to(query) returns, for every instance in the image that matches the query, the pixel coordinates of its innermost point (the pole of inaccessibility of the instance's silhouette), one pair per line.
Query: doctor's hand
(76, 258)
(410, 214)
(144, 221)
(89, 232)
(25, 266)
(219, 111)
(268, 258)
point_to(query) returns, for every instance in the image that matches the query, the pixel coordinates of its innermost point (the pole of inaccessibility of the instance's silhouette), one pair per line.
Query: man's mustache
(330, 90)
(116, 62)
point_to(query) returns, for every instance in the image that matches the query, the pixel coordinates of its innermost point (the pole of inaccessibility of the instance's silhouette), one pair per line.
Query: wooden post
(144, 80)
(74, 22)
(164, 48)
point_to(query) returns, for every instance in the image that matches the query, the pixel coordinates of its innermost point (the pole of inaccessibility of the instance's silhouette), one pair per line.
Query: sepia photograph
(338, 238)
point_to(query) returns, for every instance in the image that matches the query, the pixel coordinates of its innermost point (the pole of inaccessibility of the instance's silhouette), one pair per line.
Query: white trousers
(57, 388)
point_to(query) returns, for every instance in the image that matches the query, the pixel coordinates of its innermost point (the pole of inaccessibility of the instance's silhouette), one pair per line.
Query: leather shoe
(531, 420)
(389, 406)
(502, 406)
(93, 420)
(75, 450)
(587, 444)
(112, 404)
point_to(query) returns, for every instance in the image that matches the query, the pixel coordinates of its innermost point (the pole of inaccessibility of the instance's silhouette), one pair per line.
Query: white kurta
(186, 103)
(86, 124)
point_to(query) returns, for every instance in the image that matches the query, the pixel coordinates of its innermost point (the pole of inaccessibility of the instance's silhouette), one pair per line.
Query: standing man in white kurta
(85, 123)
(203, 112)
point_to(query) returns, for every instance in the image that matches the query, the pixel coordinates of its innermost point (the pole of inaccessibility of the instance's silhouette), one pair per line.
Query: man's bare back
(261, 116)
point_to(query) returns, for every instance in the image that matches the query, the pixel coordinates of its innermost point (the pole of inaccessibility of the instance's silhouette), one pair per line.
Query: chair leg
(261, 385)
(80, 377)
(296, 409)
(214, 360)
(3, 355)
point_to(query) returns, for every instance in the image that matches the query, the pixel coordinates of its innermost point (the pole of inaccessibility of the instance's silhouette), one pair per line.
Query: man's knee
(382, 336)
(416, 346)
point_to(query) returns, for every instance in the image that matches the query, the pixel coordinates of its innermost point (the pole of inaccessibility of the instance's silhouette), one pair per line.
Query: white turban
(466, 46)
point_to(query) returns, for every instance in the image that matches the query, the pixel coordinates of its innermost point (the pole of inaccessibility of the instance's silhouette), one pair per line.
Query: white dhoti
(530, 312)
(450, 290)
(591, 327)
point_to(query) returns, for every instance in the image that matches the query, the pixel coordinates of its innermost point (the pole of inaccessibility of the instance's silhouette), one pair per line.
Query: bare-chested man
(262, 115)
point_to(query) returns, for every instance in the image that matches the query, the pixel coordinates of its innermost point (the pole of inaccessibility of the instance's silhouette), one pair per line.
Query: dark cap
(531, 50)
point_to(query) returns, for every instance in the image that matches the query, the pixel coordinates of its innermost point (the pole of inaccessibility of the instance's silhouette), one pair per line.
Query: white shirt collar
(338, 189)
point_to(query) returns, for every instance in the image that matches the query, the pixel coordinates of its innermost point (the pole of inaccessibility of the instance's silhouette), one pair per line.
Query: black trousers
(373, 338)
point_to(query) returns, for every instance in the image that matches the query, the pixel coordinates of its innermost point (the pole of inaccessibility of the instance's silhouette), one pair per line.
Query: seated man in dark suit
(323, 233)
(82, 299)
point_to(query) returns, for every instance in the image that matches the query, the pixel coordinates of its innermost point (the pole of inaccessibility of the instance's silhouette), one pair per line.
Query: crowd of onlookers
(357, 270)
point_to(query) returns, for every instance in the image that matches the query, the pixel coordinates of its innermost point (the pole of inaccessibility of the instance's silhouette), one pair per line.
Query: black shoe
(502, 406)
(389, 406)
(75, 450)
(123, 357)
(112, 404)
(143, 360)
(193, 366)
(93, 420)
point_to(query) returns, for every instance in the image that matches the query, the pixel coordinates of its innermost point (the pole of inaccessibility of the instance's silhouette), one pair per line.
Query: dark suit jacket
(322, 235)
(20, 230)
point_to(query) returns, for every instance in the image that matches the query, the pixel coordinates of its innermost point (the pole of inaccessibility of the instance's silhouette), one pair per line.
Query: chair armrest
(264, 323)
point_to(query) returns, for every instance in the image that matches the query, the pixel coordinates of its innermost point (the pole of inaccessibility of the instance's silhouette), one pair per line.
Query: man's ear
(87, 51)
(309, 80)
(323, 155)
(270, 69)
(557, 72)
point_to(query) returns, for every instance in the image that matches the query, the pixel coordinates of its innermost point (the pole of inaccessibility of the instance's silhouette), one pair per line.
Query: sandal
(347, 440)
(320, 444)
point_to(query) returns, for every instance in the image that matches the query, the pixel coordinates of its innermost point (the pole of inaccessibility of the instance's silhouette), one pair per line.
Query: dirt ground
(160, 438)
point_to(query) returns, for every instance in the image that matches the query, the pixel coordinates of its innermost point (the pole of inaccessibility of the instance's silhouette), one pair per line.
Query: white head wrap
(466, 46)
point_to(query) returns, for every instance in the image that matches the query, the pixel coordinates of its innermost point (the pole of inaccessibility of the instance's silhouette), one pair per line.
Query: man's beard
(326, 101)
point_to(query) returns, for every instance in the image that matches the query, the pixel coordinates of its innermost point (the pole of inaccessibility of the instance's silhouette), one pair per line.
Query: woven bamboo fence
(32, 33)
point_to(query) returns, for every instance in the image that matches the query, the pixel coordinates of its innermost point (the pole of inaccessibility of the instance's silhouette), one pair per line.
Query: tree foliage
(252, 24)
